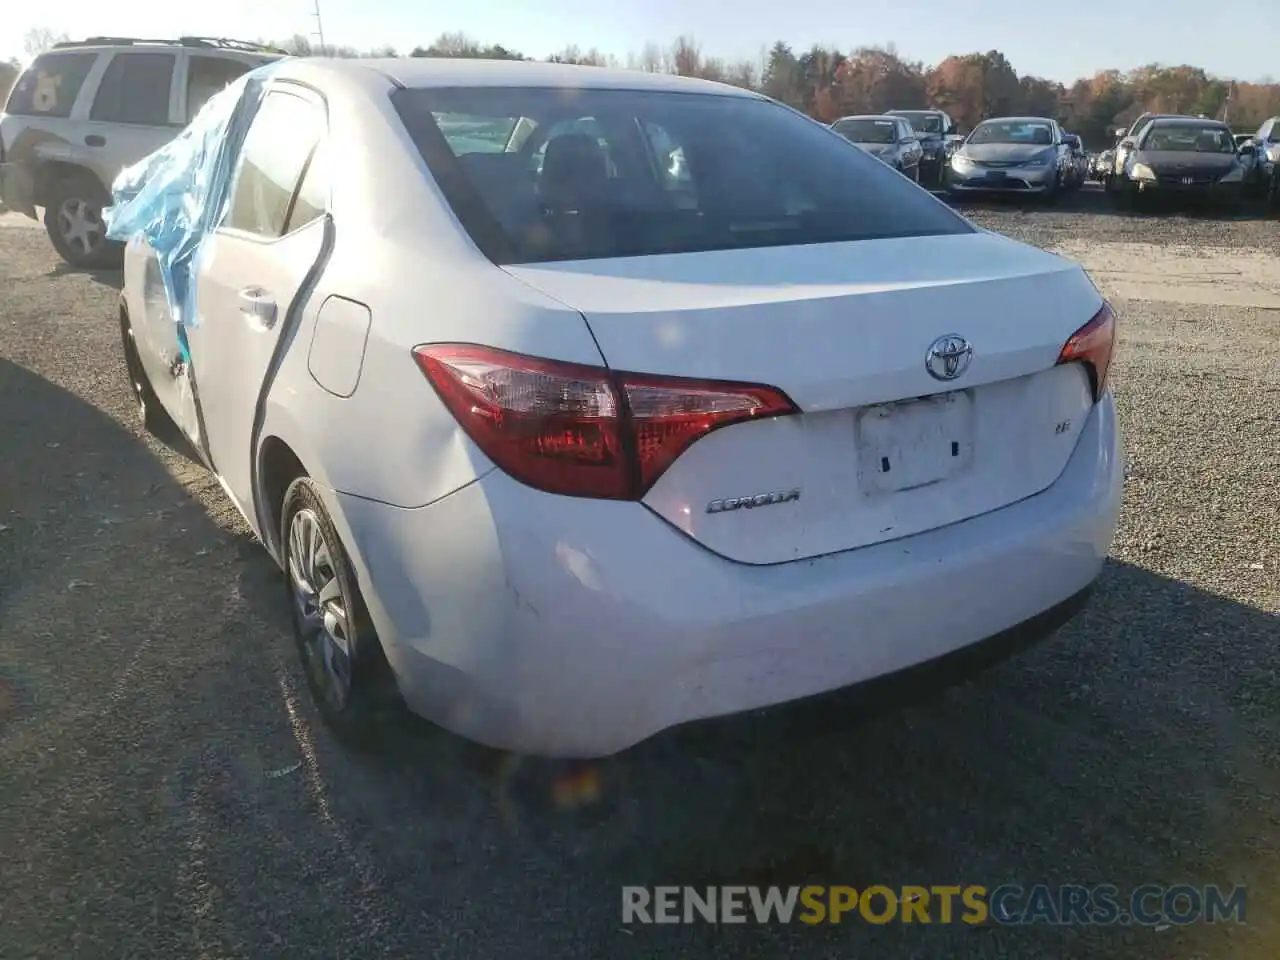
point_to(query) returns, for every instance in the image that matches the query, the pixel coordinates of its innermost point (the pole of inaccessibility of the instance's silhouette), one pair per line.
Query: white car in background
(567, 449)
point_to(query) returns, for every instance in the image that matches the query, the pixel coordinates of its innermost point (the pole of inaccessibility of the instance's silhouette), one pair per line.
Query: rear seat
(505, 183)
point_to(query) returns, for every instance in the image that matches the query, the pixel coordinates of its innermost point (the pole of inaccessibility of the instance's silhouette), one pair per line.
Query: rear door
(133, 111)
(252, 272)
(206, 74)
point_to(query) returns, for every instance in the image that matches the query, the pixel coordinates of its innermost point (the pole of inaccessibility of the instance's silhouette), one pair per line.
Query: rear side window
(49, 87)
(285, 131)
(135, 89)
(867, 130)
(613, 173)
(207, 76)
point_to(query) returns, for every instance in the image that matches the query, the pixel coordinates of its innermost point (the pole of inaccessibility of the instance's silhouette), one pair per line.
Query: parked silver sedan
(1025, 155)
(890, 139)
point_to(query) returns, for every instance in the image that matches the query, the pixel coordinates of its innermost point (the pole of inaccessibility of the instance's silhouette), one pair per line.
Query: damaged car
(561, 446)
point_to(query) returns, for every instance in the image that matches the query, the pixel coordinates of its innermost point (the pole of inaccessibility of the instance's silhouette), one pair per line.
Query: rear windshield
(862, 130)
(49, 87)
(921, 120)
(538, 175)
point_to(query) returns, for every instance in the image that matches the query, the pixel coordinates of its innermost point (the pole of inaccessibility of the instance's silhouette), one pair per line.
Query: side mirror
(1248, 150)
(1120, 132)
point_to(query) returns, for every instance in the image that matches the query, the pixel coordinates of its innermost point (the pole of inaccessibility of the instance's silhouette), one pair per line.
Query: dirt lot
(166, 791)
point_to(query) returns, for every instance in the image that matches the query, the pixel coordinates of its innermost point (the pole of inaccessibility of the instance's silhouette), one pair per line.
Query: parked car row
(1028, 155)
(914, 142)
(1170, 154)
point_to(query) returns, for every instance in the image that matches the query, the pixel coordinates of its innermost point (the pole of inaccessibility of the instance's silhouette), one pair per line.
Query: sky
(1059, 41)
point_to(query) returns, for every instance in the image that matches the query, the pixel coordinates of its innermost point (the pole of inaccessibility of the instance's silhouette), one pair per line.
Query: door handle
(258, 307)
(93, 140)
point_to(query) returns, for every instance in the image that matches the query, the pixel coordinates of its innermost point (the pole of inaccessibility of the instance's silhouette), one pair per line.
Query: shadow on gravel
(108, 277)
(1135, 746)
(74, 484)
(166, 792)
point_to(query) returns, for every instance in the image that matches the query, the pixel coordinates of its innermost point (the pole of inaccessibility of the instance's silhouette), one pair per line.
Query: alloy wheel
(81, 225)
(321, 612)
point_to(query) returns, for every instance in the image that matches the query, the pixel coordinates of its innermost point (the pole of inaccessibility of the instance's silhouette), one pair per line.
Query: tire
(1054, 192)
(1272, 198)
(354, 690)
(152, 415)
(73, 221)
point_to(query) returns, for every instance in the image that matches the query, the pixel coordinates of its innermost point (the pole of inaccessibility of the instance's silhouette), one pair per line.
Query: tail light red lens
(581, 430)
(1093, 345)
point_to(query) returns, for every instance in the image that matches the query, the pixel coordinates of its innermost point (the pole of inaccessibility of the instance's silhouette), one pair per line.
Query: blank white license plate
(911, 444)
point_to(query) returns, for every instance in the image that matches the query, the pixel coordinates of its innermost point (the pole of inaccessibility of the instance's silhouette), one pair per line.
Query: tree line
(827, 83)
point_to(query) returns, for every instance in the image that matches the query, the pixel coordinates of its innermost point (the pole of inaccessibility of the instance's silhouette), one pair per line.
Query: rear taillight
(581, 430)
(1092, 345)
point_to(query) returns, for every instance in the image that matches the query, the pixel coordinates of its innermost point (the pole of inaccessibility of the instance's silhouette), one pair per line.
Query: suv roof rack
(216, 43)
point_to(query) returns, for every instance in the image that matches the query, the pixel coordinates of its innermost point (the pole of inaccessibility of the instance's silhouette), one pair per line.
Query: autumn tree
(826, 83)
(1038, 97)
(874, 80)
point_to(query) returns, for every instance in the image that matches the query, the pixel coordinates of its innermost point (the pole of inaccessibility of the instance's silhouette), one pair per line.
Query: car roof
(199, 44)
(864, 116)
(1170, 120)
(420, 72)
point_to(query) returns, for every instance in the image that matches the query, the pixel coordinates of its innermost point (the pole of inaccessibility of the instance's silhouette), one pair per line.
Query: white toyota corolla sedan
(584, 403)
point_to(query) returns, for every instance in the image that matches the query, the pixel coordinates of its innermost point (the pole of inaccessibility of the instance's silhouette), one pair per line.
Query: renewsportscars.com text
(1008, 904)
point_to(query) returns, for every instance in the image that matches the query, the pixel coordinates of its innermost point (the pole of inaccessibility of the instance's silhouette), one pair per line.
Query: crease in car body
(288, 333)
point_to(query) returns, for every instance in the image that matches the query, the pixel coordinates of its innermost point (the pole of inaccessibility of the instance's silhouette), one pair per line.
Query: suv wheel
(73, 220)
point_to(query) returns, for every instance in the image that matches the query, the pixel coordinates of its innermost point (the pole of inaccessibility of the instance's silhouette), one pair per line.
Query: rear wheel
(73, 220)
(341, 655)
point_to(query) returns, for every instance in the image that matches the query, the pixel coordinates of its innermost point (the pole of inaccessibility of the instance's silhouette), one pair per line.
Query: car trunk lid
(883, 448)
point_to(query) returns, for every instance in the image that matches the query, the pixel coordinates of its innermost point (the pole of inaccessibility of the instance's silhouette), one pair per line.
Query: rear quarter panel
(399, 251)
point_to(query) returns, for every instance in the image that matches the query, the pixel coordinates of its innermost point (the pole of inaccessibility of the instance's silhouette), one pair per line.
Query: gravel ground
(166, 790)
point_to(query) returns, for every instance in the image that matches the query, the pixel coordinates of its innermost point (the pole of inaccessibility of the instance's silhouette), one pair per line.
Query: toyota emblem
(948, 357)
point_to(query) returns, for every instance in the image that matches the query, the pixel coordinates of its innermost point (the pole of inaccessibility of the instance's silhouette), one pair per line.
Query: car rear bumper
(570, 627)
(17, 188)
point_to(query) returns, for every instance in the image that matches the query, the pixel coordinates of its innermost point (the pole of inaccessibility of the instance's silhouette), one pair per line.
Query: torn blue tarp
(174, 197)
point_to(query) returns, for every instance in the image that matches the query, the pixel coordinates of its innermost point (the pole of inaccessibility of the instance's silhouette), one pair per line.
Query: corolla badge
(756, 500)
(948, 357)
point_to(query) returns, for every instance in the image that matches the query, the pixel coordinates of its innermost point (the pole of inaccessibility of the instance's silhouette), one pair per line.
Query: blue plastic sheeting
(178, 195)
